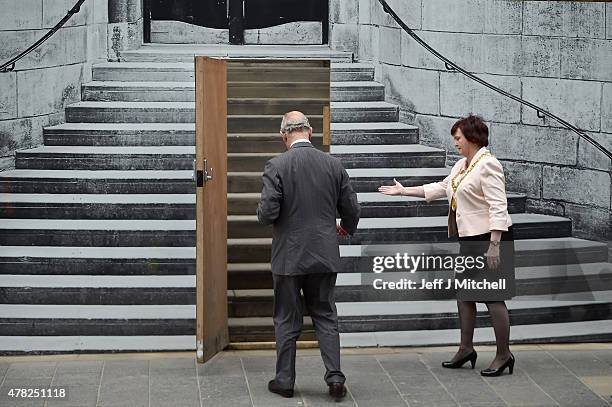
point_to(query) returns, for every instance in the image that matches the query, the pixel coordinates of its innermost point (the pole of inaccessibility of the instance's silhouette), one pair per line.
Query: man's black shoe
(275, 388)
(337, 391)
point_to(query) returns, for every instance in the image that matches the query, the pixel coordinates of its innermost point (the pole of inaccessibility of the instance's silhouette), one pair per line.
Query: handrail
(10, 65)
(451, 66)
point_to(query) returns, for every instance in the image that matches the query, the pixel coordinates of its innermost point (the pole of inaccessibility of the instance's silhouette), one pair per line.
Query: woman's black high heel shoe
(488, 372)
(459, 363)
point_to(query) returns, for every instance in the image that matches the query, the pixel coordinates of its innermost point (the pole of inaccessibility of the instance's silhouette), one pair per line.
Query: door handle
(202, 176)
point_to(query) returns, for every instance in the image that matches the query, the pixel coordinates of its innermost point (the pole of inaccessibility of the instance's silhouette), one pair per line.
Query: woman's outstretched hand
(396, 189)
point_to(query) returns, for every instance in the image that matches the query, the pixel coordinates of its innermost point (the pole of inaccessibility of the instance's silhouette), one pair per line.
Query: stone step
(588, 331)
(128, 158)
(369, 179)
(366, 157)
(183, 134)
(173, 112)
(109, 320)
(358, 112)
(182, 206)
(184, 112)
(181, 91)
(357, 91)
(584, 283)
(101, 232)
(147, 91)
(434, 228)
(292, 54)
(374, 133)
(117, 182)
(184, 71)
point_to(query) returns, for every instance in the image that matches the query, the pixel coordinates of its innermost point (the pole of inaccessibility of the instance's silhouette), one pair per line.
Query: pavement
(545, 375)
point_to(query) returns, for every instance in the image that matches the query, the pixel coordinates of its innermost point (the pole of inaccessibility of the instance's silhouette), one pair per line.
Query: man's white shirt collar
(301, 140)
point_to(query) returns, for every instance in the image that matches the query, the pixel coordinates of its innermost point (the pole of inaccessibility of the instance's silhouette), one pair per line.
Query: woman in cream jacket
(478, 212)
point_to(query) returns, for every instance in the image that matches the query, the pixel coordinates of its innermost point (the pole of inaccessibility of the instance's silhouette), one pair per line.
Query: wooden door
(211, 206)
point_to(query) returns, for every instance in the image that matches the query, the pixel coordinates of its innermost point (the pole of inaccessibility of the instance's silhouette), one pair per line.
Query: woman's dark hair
(474, 129)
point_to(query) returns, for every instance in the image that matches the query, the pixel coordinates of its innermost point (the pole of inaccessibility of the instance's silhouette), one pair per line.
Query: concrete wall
(557, 54)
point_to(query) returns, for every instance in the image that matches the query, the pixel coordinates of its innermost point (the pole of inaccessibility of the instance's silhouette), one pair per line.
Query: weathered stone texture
(408, 10)
(48, 90)
(578, 186)
(365, 11)
(503, 16)
(585, 58)
(24, 133)
(545, 207)
(415, 89)
(390, 45)
(460, 96)
(345, 37)
(578, 102)
(523, 178)
(368, 43)
(55, 10)
(518, 55)
(345, 11)
(606, 108)
(591, 157)
(8, 95)
(567, 19)
(533, 144)
(20, 15)
(435, 131)
(454, 15)
(609, 21)
(466, 50)
(589, 223)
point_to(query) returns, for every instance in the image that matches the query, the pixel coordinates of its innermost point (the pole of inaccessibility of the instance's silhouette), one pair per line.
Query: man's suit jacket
(303, 189)
(482, 205)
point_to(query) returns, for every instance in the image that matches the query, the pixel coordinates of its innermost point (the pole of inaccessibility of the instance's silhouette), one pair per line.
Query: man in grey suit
(303, 189)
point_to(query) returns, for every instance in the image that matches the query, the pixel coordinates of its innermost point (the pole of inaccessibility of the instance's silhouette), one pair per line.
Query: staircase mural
(97, 226)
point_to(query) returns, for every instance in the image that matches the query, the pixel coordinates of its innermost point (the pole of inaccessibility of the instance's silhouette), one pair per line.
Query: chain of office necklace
(465, 174)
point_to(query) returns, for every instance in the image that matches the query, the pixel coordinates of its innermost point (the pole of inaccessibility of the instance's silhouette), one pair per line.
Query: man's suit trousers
(318, 292)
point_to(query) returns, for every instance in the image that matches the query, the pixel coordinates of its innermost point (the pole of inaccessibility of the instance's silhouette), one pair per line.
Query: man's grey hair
(294, 124)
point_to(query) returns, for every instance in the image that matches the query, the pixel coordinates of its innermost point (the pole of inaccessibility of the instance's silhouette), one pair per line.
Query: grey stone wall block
(134, 10)
(345, 11)
(23, 133)
(390, 45)
(533, 144)
(585, 58)
(503, 16)
(415, 89)
(117, 11)
(345, 37)
(567, 19)
(408, 10)
(460, 96)
(593, 158)
(577, 102)
(135, 34)
(100, 11)
(454, 15)
(606, 108)
(589, 223)
(8, 95)
(365, 11)
(75, 40)
(51, 53)
(96, 41)
(523, 178)
(48, 90)
(545, 207)
(586, 187)
(435, 131)
(466, 50)
(609, 20)
(20, 15)
(368, 43)
(520, 55)
(55, 10)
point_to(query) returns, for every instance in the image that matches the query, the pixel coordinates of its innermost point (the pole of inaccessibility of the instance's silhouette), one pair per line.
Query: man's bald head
(295, 126)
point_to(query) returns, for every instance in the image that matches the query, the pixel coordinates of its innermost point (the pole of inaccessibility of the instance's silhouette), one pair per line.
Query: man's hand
(396, 189)
(340, 231)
